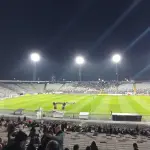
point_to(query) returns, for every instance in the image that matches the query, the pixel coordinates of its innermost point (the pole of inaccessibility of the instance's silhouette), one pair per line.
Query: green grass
(96, 104)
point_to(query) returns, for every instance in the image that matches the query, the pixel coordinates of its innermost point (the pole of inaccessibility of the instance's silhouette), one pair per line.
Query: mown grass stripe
(137, 107)
(101, 106)
(114, 104)
(125, 106)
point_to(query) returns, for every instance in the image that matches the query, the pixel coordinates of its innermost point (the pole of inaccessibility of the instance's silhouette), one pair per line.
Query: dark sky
(61, 29)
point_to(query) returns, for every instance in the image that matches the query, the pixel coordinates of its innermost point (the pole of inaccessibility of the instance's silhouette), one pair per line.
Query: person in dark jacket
(93, 146)
(10, 130)
(76, 147)
(44, 142)
(32, 132)
(31, 145)
(24, 119)
(88, 148)
(19, 142)
(53, 145)
(135, 146)
(59, 137)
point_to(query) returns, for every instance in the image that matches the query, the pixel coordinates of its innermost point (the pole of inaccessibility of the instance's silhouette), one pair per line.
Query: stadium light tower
(79, 60)
(116, 59)
(35, 57)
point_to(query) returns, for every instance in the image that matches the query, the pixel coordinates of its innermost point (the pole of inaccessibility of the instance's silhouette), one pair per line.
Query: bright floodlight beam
(116, 59)
(35, 57)
(80, 61)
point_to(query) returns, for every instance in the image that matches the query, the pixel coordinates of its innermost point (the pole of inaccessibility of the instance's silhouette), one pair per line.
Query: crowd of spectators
(105, 87)
(32, 135)
(87, 87)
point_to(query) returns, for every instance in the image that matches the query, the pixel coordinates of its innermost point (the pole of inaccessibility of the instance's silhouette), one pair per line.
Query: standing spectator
(1, 142)
(59, 137)
(45, 129)
(44, 142)
(1, 147)
(19, 142)
(24, 119)
(10, 130)
(32, 132)
(31, 145)
(19, 119)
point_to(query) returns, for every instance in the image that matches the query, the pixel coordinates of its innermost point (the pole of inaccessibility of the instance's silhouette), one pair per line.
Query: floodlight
(79, 60)
(116, 58)
(35, 57)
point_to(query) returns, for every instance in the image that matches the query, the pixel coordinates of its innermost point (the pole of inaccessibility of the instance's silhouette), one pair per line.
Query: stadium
(98, 98)
(113, 114)
(75, 75)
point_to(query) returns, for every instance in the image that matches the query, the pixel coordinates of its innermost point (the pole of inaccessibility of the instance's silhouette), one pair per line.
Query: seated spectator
(88, 148)
(93, 146)
(135, 146)
(76, 147)
(53, 145)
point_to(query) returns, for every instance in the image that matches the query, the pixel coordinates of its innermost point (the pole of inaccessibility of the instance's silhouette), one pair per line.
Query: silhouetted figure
(19, 142)
(135, 146)
(31, 145)
(19, 119)
(76, 147)
(88, 148)
(53, 145)
(24, 119)
(93, 146)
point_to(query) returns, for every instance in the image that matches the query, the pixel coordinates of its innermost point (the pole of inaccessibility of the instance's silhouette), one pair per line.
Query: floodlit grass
(96, 104)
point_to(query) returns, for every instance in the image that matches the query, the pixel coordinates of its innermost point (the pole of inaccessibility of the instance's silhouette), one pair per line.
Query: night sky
(61, 29)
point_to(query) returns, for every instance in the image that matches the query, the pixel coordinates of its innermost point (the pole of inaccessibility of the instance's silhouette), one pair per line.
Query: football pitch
(95, 104)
